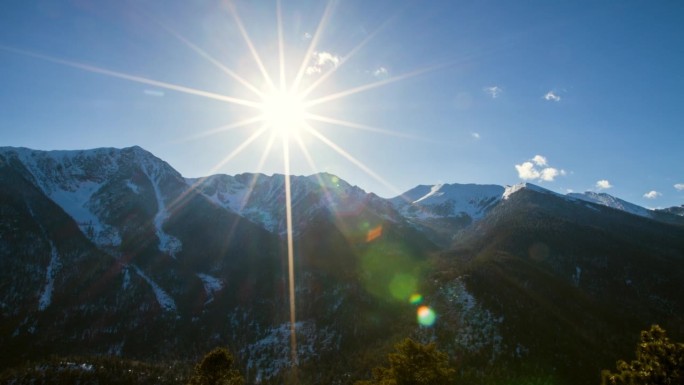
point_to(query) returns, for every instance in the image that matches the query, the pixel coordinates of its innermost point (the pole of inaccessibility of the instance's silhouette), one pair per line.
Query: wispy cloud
(150, 92)
(381, 73)
(653, 194)
(538, 169)
(475, 135)
(603, 184)
(307, 36)
(493, 91)
(679, 186)
(320, 61)
(552, 96)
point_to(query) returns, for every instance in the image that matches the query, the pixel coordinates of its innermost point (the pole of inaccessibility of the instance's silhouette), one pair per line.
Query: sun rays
(279, 107)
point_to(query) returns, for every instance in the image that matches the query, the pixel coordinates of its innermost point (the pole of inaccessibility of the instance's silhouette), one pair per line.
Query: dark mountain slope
(572, 281)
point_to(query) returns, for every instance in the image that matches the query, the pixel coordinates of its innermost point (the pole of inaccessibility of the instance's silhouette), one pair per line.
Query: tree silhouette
(216, 369)
(413, 363)
(658, 361)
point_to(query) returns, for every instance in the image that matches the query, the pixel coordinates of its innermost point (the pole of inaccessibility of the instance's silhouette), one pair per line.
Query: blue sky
(570, 95)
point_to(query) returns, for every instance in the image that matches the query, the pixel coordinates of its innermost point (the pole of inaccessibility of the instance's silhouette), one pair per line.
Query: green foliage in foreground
(658, 361)
(413, 363)
(216, 368)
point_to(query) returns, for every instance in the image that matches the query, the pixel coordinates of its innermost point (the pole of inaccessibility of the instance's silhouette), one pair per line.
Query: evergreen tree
(216, 369)
(658, 361)
(413, 363)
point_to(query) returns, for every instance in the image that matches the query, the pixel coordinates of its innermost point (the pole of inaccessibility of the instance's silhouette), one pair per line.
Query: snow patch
(53, 267)
(75, 203)
(167, 243)
(165, 301)
(433, 191)
(510, 190)
(478, 328)
(126, 279)
(62, 177)
(271, 354)
(134, 187)
(211, 285)
(577, 275)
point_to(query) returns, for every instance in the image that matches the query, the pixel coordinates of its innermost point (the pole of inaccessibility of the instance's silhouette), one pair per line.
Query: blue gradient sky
(563, 94)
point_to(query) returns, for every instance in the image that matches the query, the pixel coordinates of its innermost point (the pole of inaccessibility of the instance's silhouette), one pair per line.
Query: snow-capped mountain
(611, 201)
(92, 185)
(442, 210)
(448, 200)
(676, 210)
(112, 251)
(261, 198)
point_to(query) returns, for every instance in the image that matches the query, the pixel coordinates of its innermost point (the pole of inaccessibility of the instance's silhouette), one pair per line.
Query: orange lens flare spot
(426, 316)
(374, 234)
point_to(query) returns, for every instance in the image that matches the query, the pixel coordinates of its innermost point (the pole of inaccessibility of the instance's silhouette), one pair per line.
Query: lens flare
(402, 285)
(374, 233)
(426, 316)
(415, 299)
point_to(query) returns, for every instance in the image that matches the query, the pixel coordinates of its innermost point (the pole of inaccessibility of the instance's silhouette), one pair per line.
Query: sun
(281, 105)
(284, 112)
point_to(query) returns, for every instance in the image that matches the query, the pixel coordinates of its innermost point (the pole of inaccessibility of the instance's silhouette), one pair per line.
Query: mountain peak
(510, 190)
(608, 200)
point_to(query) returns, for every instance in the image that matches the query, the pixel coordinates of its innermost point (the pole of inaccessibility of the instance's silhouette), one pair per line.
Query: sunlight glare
(284, 113)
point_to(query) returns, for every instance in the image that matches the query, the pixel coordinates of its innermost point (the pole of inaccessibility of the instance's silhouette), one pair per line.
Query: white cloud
(679, 186)
(475, 135)
(549, 174)
(653, 194)
(527, 171)
(551, 96)
(535, 168)
(493, 91)
(603, 184)
(307, 36)
(320, 61)
(539, 160)
(381, 72)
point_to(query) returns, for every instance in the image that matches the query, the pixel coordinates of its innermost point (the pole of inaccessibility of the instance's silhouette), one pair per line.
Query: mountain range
(113, 252)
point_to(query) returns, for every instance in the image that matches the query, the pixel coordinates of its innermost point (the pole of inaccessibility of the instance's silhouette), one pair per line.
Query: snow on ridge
(53, 267)
(165, 301)
(75, 203)
(261, 198)
(433, 191)
(447, 200)
(62, 176)
(211, 285)
(510, 190)
(613, 202)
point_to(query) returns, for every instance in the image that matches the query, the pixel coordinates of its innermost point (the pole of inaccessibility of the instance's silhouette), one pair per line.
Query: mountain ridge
(201, 261)
(428, 197)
